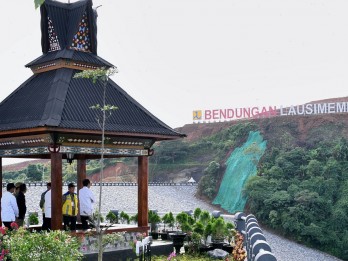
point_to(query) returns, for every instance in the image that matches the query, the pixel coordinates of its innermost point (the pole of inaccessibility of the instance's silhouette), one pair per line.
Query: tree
(100, 75)
(207, 184)
(33, 173)
(340, 151)
(332, 169)
(70, 173)
(314, 168)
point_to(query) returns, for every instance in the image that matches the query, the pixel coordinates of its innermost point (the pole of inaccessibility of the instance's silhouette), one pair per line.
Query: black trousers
(8, 224)
(46, 225)
(69, 222)
(84, 221)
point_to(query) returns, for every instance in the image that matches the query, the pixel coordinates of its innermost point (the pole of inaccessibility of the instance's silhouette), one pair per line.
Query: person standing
(86, 198)
(47, 211)
(70, 208)
(42, 203)
(22, 207)
(9, 208)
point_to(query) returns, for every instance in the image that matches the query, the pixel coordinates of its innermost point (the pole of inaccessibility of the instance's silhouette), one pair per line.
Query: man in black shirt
(21, 204)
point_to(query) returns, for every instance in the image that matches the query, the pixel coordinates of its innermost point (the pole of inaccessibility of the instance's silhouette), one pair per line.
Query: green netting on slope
(240, 166)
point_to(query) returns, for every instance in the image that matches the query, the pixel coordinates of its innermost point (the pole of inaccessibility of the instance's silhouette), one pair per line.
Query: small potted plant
(33, 218)
(208, 228)
(154, 219)
(167, 219)
(197, 213)
(231, 232)
(180, 220)
(178, 238)
(193, 246)
(112, 217)
(125, 219)
(134, 218)
(219, 232)
(204, 217)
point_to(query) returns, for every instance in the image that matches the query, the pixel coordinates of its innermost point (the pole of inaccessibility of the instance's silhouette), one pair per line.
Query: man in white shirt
(86, 199)
(42, 200)
(48, 211)
(9, 207)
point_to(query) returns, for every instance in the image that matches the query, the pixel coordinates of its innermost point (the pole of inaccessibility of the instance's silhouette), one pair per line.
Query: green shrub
(33, 219)
(171, 220)
(168, 219)
(112, 218)
(54, 245)
(134, 218)
(219, 229)
(124, 217)
(197, 213)
(153, 219)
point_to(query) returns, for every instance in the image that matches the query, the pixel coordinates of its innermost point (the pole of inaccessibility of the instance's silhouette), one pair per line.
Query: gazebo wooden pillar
(81, 173)
(143, 166)
(56, 190)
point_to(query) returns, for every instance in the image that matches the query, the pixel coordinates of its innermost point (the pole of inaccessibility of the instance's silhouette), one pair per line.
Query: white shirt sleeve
(91, 196)
(48, 207)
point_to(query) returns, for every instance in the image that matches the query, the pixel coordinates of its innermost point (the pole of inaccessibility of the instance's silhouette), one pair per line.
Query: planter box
(204, 249)
(228, 248)
(164, 236)
(158, 248)
(154, 235)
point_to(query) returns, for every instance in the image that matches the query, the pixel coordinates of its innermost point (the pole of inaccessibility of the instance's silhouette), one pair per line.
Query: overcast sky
(178, 56)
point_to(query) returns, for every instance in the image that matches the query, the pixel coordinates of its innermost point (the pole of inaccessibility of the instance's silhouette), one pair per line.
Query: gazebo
(48, 116)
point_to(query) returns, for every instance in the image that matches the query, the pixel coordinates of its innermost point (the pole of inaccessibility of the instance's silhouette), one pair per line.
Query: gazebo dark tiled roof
(56, 99)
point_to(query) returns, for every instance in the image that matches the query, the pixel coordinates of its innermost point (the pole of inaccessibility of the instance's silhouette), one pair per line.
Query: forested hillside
(40, 170)
(300, 188)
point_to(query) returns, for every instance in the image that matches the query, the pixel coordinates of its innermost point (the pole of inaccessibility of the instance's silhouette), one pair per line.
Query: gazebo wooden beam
(42, 130)
(56, 188)
(143, 167)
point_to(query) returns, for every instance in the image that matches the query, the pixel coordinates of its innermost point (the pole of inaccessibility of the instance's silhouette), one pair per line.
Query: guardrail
(255, 242)
(124, 184)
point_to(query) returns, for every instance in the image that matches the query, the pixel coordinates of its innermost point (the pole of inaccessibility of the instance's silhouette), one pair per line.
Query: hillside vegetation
(300, 188)
(40, 170)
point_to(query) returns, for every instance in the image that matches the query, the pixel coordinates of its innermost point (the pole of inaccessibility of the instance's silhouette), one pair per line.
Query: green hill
(299, 187)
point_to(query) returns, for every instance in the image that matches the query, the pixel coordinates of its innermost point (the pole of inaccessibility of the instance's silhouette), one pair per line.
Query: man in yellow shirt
(70, 208)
